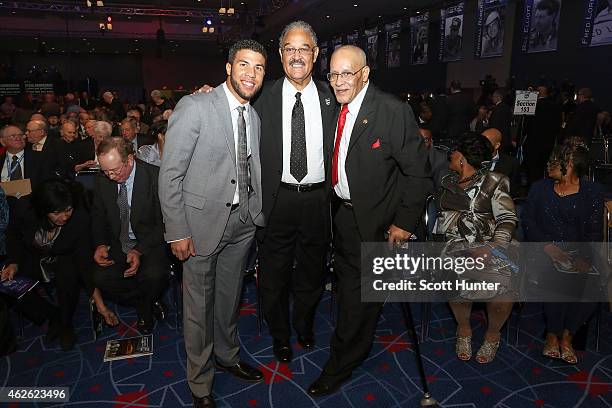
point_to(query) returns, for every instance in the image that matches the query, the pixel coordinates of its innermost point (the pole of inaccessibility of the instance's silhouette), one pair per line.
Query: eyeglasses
(114, 172)
(346, 76)
(15, 136)
(301, 51)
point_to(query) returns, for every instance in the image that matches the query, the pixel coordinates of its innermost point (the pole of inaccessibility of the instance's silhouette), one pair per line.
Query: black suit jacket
(501, 119)
(510, 167)
(543, 128)
(74, 239)
(34, 166)
(269, 106)
(461, 110)
(145, 214)
(582, 121)
(387, 166)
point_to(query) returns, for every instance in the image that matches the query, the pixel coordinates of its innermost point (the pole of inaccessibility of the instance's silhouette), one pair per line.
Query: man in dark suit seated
(504, 163)
(127, 227)
(36, 133)
(582, 121)
(461, 110)
(71, 149)
(129, 129)
(19, 162)
(501, 119)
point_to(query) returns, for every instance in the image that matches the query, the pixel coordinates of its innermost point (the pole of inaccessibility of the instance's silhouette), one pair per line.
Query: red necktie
(341, 122)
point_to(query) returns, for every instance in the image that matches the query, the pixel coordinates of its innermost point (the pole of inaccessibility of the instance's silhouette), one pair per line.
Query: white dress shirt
(314, 133)
(494, 161)
(342, 188)
(8, 162)
(129, 185)
(37, 147)
(233, 105)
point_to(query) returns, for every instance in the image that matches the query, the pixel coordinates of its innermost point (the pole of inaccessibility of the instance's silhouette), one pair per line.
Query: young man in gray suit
(210, 194)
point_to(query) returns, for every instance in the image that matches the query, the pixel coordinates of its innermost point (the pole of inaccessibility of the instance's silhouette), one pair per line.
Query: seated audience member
(500, 118)
(560, 211)
(476, 208)
(503, 163)
(49, 240)
(152, 154)
(130, 251)
(19, 163)
(83, 119)
(157, 106)
(129, 129)
(424, 116)
(71, 149)
(438, 158)
(53, 128)
(134, 112)
(36, 133)
(581, 122)
(112, 105)
(481, 121)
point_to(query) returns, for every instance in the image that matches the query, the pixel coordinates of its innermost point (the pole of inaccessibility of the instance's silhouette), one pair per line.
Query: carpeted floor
(519, 377)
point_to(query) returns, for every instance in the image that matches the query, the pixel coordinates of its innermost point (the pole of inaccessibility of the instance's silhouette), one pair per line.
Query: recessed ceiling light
(82, 16)
(136, 40)
(355, 5)
(405, 8)
(84, 39)
(418, 12)
(129, 17)
(328, 16)
(379, 16)
(186, 20)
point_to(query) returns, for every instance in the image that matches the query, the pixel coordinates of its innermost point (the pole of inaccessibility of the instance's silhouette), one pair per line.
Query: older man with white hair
(113, 106)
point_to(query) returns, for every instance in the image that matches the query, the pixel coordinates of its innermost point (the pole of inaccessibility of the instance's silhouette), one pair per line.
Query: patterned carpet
(519, 377)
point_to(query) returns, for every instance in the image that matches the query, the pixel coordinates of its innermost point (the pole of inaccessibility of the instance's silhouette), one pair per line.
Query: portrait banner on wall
(337, 42)
(597, 26)
(490, 22)
(372, 47)
(352, 38)
(419, 38)
(540, 26)
(393, 44)
(323, 59)
(451, 33)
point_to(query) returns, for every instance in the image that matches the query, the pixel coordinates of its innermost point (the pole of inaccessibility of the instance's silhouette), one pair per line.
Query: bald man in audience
(504, 163)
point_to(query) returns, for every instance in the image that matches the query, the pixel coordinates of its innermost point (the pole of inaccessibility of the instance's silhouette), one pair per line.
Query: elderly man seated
(130, 251)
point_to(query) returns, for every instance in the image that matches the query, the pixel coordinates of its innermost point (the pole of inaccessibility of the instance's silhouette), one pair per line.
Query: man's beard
(240, 92)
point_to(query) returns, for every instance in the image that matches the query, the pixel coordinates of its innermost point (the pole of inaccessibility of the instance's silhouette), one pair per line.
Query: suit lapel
(328, 111)
(111, 193)
(276, 125)
(225, 117)
(368, 107)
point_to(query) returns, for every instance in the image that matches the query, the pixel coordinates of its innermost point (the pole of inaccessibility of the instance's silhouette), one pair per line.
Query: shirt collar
(496, 157)
(42, 141)
(130, 179)
(289, 90)
(355, 104)
(19, 155)
(231, 99)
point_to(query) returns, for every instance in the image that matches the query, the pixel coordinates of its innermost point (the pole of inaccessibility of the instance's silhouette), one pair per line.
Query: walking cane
(427, 400)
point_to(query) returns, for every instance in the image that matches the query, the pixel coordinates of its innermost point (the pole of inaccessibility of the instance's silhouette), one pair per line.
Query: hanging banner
(490, 22)
(393, 44)
(372, 47)
(352, 38)
(337, 42)
(451, 33)
(540, 25)
(323, 59)
(419, 38)
(597, 26)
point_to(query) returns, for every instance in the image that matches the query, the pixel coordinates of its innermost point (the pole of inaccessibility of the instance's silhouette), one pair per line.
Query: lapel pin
(365, 122)
(327, 101)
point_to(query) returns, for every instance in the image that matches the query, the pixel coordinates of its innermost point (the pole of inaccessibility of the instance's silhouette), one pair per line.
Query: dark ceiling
(264, 17)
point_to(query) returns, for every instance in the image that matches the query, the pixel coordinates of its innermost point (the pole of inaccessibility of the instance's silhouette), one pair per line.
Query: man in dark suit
(378, 172)
(127, 229)
(504, 163)
(542, 129)
(129, 131)
(19, 162)
(582, 121)
(113, 106)
(72, 151)
(501, 119)
(461, 110)
(297, 116)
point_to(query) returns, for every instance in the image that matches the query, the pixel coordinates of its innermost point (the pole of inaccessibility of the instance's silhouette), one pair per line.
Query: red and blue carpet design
(519, 377)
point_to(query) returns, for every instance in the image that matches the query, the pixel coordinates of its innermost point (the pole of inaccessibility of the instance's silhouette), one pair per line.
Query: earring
(461, 162)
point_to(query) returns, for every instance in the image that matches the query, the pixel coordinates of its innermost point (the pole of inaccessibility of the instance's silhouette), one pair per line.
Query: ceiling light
(230, 10)
(100, 3)
(186, 20)
(327, 16)
(204, 29)
(222, 10)
(212, 30)
(208, 21)
(355, 5)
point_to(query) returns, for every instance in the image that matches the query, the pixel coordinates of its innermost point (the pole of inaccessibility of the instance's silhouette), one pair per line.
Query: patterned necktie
(298, 163)
(243, 170)
(15, 169)
(341, 122)
(124, 217)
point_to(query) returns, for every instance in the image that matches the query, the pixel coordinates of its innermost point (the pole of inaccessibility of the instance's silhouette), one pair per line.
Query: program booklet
(128, 348)
(17, 287)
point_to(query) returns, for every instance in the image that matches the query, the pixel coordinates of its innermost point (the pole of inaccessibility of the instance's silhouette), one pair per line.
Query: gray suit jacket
(198, 174)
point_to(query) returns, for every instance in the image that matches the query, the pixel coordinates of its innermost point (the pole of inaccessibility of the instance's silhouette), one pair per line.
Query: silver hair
(299, 24)
(40, 123)
(103, 127)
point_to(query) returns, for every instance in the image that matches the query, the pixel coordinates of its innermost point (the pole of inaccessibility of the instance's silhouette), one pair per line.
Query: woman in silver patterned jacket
(477, 214)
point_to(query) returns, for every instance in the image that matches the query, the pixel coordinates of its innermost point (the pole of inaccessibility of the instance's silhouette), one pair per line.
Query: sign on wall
(372, 47)
(451, 33)
(393, 44)
(540, 27)
(490, 23)
(597, 23)
(525, 102)
(419, 38)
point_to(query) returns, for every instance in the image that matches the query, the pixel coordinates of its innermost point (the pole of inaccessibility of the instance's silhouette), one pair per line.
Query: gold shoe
(551, 351)
(463, 348)
(568, 355)
(487, 352)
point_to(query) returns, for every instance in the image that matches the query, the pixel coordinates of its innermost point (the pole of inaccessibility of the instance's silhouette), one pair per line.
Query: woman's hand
(109, 317)
(557, 254)
(9, 272)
